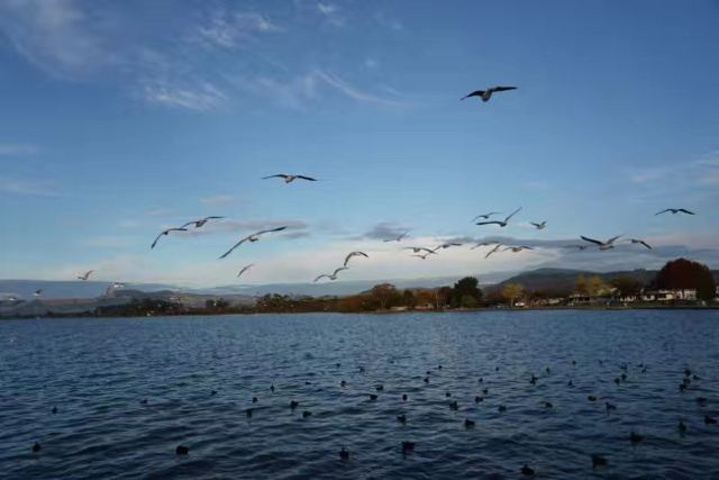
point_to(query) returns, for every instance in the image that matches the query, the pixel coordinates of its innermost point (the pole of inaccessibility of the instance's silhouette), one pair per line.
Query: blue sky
(121, 118)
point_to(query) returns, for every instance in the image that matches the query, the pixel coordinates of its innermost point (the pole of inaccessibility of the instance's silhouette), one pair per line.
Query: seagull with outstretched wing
(252, 238)
(354, 254)
(398, 238)
(244, 269)
(201, 222)
(637, 241)
(167, 232)
(518, 249)
(485, 216)
(447, 245)
(539, 226)
(85, 276)
(486, 94)
(674, 211)
(290, 178)
(332, 276)
(602, 245)
(482, 244)
(494, 250)
(501, 223)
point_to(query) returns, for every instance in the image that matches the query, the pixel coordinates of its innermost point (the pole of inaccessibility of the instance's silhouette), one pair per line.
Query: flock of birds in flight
(421, 252)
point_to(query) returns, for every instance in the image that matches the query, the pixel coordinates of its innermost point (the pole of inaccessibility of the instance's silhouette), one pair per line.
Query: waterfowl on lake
(525, 470)
(294, 404)
(182, 450)
(469, 423)
(36, 447)
(344, 454)
(248, 412)
(408, 447)
(402, 418)
(599, 461)
(306, 414)
(635, 438)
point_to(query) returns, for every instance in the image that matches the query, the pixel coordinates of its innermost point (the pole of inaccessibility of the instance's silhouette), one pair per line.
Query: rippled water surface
(97, 372)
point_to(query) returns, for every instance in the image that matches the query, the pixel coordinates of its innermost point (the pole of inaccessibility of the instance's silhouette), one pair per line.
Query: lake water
(98, 371)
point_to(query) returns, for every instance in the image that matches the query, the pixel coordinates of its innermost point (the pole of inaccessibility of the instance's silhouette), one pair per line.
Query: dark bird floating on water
(636, 438)
(167, 232)
(252, 238)
(36, 447)
(201, 222)
(485, 95)
(602, 245)
(332, 276)
(599, 461)
(485, 216)
(344, 454)
(244, 269)
(290, 178)
(501, 223)
(469, 423)
(636, 241)
(182, 450)
(408, 447)
(85, 275)
(540, 226)
(398, 238)
(354, 254)
(525, 470)
(674, 211)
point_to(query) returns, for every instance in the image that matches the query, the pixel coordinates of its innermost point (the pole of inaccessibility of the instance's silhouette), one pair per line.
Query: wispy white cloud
(19, 186)
(202, 97)
(231, 29)
(331, 14)
(355, 93)
(17, 150)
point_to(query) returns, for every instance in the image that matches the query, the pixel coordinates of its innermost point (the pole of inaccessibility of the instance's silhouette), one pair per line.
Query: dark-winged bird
(252, 238)
(485, 95)
(674, 211)
(501, 223)
(290, 178)
(167, 232)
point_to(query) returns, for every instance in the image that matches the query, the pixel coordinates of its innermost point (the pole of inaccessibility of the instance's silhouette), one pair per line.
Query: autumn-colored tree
(408, 299)
(581, 286)
(685, 274)
(424, 297)
(444, 296)
(513, 292)
(592, 287)
(385, 295)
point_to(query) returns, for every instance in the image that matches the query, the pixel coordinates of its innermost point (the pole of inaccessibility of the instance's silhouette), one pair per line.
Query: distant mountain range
(550, 279)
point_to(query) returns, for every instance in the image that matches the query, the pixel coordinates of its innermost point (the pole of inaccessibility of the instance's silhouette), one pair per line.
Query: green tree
(408, 299)
(683, 274)
(468, 301)
(466, 287)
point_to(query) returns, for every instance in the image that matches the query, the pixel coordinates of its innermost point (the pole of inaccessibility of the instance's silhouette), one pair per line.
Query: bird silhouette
(486, 94)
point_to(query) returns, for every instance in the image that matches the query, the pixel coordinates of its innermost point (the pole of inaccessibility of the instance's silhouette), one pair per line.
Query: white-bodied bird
(252, 238)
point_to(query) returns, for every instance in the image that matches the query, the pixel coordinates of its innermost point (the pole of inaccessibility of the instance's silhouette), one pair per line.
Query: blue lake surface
(98, 371)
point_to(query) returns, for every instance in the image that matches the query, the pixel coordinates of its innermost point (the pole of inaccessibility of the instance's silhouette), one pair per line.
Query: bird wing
(279, 175)
(476, 93)
(244, 269)
(270, 230)
(645, 244)
(536, 224)
(688, 212)
(157, 239)
(214, 218)
(612, 240)
(307, 178)
(512, 214)
(338, 270)
(503, 89)
(321, 276)
(88, 273)
(587, 239)
(235, 246)
(493, 250)
(526, 247)
(194, 222)
(491, 222)
(428, 250)
(663, 211)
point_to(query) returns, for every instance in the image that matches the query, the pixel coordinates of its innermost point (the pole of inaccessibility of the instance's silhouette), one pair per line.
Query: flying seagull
(501, 223)
(419, 249)
(85, 276)
(354, 254)
(252, 238)
(113, 286)
(397, 239)
(485, 95)
(482, 244)
(445, 246)
(495, 249)
(37, 292)
(290, 178)
(244, 269)
(540, 226)
(199, 223)
(424, 257)
(518, 249)
(602, 245)
(167, 232)
(640, 242)
(485, 216)
(332, 276)
(675, 211)
(579, 247)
